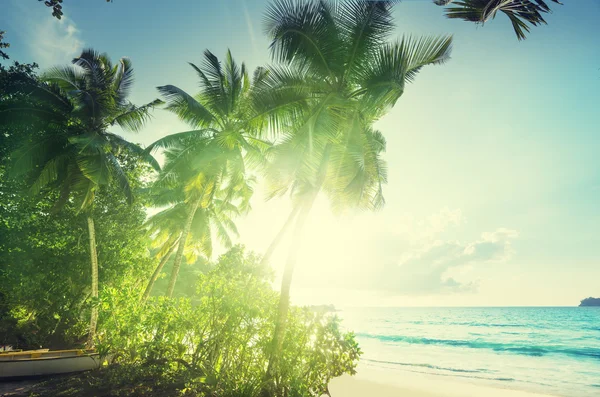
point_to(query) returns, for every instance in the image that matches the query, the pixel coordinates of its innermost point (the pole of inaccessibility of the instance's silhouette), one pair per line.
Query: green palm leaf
(185, 106)
(133, 118)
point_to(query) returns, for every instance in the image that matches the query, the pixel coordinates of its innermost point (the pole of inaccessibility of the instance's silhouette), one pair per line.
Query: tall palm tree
(83, 155)
(336, 74)
(519, 12)
(215, 220)
(210, 161)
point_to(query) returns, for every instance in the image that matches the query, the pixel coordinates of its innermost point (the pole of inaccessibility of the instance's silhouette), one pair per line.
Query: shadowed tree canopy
(521, 13)
(79, 104)
(3, 44)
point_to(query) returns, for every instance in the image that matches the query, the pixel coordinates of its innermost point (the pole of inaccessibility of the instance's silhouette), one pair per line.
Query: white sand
(373, 383)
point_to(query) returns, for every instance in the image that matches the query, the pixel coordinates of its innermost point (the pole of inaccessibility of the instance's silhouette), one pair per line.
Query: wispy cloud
(410, 256)
(432, 269)
(49, 41)
(55, 42)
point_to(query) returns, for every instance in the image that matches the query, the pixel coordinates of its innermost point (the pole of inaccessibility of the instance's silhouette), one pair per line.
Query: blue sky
(494, 187)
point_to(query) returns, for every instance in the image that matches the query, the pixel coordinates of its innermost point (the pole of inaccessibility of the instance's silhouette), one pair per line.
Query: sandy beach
(374, 383)
(369, 383)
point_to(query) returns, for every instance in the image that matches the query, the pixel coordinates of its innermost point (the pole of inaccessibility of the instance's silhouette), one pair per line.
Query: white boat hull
(47, 365)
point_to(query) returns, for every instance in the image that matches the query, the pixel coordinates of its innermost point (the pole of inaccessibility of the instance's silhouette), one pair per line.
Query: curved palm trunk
(286, 283)
(181, 247)
(267, 256)
(157, 271)
(94, 263)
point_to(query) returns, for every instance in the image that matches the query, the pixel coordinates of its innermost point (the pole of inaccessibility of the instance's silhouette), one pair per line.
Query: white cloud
(49, 41)
(54, 42)
(404, 256)
(434, 267)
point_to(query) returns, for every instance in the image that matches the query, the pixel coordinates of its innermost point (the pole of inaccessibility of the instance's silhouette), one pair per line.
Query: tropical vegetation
(80, 155)
(90, 223)
(335, 75)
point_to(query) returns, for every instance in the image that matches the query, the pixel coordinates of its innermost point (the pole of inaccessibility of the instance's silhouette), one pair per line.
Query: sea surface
(547, 350)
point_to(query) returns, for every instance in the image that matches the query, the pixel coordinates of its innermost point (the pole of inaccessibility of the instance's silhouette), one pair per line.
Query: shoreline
(382, 383)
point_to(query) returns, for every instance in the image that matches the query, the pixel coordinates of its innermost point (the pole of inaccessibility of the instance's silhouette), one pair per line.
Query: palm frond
(213, 82)
(133, 118)
(95, 167)
(365, 25)
(96, 67)
(233, 81)
(521, 13)
(185, 106)
(123, 80)
(49, 173)
(121, 143)
(427, 50)
(121, 178)
(67, 78)
(180, 139)
(383, 81)
(32, 154)
(302, 32)
(86, 191)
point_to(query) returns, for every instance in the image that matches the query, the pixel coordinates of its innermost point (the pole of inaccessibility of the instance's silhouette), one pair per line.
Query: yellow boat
(43, 362)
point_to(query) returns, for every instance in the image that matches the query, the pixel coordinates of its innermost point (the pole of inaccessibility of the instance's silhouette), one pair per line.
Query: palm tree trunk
(94, 263)
(286, 283)
(157, 271)
(181, 247)
(267, 256)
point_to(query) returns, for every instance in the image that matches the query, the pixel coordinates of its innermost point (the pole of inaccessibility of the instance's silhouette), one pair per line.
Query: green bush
(220, 344)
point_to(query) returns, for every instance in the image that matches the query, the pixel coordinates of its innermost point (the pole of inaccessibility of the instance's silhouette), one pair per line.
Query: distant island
(590, 302)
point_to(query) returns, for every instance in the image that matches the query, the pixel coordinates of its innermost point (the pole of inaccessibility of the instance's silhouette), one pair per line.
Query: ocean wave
(451, 372)
(495, 346)
(477, 324)
(429, 366)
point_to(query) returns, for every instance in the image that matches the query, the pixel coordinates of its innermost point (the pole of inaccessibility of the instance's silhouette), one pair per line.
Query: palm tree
(215, 220)
(336, 74)
(519, 12)
(210, 161)
(91, 97)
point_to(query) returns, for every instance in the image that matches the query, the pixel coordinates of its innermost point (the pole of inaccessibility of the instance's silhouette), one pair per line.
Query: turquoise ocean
(548, 350)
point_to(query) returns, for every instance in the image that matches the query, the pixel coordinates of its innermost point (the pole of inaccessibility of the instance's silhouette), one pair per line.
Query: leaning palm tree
(83, 155)
(521, 13)
(166, 226)
(210, 162)
(335, 75)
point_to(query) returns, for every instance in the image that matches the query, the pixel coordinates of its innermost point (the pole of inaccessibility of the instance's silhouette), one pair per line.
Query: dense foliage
(215, 339)
(44, 261)
(76, 241)
(219, 340)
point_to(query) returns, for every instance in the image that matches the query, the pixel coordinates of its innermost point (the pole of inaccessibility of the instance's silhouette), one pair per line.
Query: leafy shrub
(219, 345)
(44, 263)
